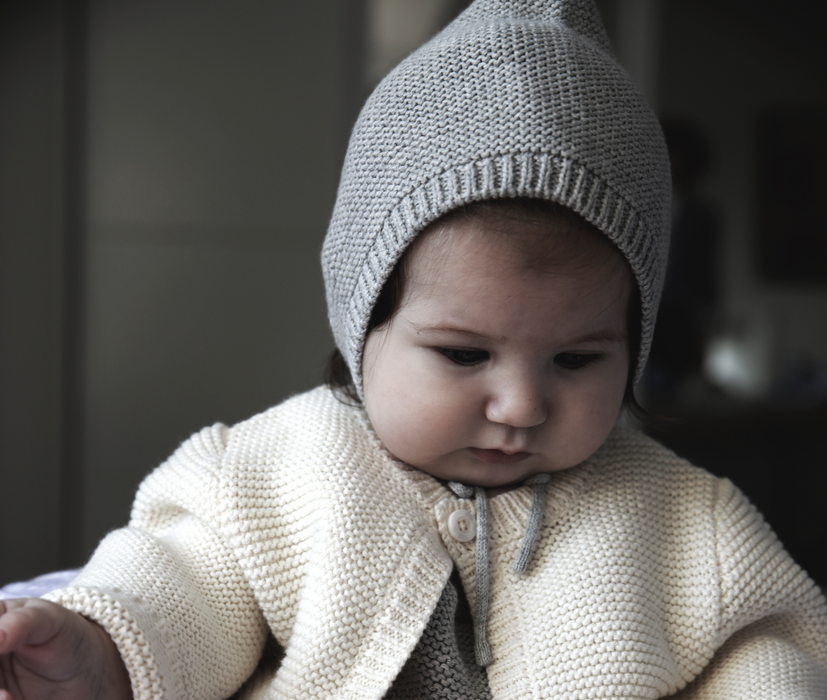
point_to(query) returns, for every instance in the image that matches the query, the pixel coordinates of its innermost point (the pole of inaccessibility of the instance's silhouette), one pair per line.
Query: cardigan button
(462, 525)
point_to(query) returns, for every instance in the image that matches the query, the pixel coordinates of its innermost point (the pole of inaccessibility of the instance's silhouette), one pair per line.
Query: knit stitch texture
(443, 665)
(649, 576)
(513, 99)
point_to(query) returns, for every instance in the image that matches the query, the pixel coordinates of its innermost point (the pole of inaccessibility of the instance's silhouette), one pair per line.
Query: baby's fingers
(57, 654)
(28, 622)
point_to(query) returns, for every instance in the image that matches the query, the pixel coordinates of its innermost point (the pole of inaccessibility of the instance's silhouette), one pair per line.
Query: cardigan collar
(523, 504)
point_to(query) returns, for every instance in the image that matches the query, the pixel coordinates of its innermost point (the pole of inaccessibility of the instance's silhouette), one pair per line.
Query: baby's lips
(498, 456)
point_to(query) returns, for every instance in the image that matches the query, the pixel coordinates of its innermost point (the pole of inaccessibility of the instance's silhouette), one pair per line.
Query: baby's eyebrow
(603, 335)
(454, 330)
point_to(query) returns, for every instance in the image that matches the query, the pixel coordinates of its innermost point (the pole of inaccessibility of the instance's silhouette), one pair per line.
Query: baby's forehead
(513, 238)
(457, 284)
(467, 261)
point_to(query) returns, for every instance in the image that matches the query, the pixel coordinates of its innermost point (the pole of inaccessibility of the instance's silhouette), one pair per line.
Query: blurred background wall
(167, 170)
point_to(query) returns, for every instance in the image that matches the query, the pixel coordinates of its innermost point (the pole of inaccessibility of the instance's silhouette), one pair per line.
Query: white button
(462, 526)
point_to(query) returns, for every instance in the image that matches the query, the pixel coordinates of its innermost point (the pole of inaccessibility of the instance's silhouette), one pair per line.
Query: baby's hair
(572, 241)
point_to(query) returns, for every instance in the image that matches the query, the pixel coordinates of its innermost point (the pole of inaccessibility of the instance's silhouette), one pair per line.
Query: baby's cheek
(429, 433)
(584, 424)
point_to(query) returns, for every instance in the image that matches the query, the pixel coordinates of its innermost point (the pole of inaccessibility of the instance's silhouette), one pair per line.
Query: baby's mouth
(498, 456)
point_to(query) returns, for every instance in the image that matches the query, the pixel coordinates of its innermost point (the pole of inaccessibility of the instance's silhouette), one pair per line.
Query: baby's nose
(518, 403)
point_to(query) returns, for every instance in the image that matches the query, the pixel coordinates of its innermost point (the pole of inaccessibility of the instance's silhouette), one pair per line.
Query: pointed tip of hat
(581, 16)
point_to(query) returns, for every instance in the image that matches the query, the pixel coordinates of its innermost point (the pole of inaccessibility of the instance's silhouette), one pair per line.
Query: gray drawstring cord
(535, 517)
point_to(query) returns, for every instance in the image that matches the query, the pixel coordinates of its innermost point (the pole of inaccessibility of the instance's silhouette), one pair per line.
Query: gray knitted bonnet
(513, 99)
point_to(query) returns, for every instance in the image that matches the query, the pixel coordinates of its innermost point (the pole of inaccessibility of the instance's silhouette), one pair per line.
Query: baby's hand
(47, 651)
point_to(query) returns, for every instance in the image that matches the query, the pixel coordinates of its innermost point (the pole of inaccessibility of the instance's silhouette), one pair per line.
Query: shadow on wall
(740, 354)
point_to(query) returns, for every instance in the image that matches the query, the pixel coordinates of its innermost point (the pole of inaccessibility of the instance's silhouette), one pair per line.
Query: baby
(457, 514)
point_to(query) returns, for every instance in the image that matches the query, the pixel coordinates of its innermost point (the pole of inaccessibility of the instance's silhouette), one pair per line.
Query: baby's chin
(470, 470)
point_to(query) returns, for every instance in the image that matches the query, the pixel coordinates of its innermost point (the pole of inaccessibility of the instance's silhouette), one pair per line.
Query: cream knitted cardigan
(650, 576)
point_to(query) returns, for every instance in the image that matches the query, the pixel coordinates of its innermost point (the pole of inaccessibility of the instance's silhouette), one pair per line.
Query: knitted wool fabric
(649, 576)
(443, 665)
(513, 99)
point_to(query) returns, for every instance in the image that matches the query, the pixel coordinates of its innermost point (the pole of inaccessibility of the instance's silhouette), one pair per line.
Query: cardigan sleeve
(772, 637)
(168, 589)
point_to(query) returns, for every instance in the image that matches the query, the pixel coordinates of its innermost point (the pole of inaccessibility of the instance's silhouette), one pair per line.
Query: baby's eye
(464, 357)
(574, 360)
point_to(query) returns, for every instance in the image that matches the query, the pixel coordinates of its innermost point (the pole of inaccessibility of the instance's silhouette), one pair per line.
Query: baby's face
(491, 372)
